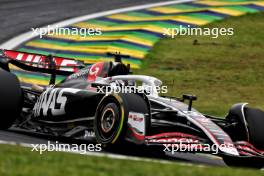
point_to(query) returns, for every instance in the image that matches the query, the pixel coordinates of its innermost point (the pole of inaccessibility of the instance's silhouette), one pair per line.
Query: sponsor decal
(174, 140)
(137, 122)
(95, 71)
(52, 99)
(89, 134)
(80, 74)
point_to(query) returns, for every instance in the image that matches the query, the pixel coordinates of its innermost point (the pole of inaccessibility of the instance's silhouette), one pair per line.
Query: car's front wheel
(111, 119)
(248, 162)
(248, 127)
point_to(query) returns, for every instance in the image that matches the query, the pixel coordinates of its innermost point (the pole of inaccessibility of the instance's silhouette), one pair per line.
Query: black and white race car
(93, 103)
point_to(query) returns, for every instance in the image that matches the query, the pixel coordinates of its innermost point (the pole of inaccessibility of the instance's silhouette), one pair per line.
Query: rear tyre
(10, 99)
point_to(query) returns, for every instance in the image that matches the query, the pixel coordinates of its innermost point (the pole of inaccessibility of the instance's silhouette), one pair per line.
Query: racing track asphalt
(18, 16)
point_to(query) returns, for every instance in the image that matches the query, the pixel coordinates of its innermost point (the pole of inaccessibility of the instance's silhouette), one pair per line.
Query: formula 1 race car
(93, 103)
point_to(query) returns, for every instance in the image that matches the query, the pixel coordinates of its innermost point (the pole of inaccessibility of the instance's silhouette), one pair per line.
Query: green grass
(19, 161)
(221, 71)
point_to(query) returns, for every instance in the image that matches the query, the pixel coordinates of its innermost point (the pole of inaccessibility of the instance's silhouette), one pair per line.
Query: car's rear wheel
(10, 99)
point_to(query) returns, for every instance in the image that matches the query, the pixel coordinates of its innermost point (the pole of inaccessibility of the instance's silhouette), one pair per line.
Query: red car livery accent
(36, 60)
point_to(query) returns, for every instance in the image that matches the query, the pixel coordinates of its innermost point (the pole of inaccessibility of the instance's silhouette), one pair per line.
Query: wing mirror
(191, 98)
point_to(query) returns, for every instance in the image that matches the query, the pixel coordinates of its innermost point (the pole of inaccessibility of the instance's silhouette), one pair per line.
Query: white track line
(18, 40)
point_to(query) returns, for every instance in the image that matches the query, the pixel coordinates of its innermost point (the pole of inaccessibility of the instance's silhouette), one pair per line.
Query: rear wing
(40, 63)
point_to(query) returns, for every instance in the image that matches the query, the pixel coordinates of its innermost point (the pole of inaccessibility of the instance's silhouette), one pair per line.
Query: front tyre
(247, 162)
(109, 120)
(248, 127)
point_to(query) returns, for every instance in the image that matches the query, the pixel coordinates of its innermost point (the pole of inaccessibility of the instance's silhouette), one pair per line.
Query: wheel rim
(108, 120)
